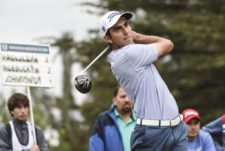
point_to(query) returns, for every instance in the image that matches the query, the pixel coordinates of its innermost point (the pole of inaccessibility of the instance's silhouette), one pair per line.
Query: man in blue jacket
(113, 128)
(216, 129)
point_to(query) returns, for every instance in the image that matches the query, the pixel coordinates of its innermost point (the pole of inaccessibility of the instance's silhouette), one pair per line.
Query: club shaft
(106, 49)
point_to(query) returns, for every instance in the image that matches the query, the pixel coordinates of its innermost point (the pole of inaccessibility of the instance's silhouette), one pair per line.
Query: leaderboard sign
(25, 65)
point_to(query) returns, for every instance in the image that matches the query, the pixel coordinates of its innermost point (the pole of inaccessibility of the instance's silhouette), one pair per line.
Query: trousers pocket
(137, 137)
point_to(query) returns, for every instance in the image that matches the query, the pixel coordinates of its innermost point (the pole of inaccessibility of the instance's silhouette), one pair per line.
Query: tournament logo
(4, 47)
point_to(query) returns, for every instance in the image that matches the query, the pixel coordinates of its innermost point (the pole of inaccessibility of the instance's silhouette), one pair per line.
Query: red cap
(189, 114)
(223, 119)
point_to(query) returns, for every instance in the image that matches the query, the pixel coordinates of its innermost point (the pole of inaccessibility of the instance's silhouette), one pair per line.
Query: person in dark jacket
(113, 128)
(216, 129)
(17, 134)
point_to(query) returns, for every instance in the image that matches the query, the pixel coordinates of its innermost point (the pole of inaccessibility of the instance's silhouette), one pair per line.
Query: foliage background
(194, 71)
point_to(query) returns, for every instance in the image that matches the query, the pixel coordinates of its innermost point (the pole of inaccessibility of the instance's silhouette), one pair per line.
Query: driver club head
(82, 83)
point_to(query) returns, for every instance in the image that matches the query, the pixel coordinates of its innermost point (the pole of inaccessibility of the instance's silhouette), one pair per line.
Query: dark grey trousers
(151, 138)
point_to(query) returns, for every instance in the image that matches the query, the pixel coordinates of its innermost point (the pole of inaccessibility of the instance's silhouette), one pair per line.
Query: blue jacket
(217, 129)
(106, 135)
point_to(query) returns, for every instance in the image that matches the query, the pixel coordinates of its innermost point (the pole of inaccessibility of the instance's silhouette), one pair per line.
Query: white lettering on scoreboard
(26, 65)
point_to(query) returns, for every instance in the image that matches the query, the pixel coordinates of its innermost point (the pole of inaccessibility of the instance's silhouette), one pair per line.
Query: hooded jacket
(106, 135)
(216, 128)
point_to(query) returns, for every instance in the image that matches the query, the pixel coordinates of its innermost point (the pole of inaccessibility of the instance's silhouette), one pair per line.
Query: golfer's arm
(163, 45)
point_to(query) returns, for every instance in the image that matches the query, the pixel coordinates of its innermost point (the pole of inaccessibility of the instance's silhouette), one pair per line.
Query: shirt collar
(133, 115)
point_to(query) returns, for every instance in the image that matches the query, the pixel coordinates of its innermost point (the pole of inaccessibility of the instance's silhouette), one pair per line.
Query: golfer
(159, 126)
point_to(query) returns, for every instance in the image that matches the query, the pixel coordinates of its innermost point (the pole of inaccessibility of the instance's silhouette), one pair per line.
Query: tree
(72, 133)
(193, 70)
(3, 111)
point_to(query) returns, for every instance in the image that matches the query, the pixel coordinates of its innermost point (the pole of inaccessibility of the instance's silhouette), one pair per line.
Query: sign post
(32, 115)
(26, 65)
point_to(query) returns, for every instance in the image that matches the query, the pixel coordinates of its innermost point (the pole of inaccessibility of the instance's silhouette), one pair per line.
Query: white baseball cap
(110, 19)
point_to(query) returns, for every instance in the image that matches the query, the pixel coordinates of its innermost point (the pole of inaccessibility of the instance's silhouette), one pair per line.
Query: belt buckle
(159, 123)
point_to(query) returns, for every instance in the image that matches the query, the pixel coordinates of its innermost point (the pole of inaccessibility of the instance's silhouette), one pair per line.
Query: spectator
(113, 128)
(216, 129)
(198, 140)
(16, 135)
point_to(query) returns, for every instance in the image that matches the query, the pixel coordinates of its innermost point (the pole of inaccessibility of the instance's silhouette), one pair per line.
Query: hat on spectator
(110, 19)
(189, 114)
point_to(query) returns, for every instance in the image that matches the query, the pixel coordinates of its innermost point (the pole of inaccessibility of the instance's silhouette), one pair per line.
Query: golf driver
(82, 82)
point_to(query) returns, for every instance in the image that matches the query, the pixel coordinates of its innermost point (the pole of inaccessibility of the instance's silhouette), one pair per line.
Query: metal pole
(106, 49)
(31, 114)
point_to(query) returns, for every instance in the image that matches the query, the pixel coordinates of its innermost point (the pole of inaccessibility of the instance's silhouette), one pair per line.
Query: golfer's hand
(140, 38)
(135, 36)
(35, 147)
